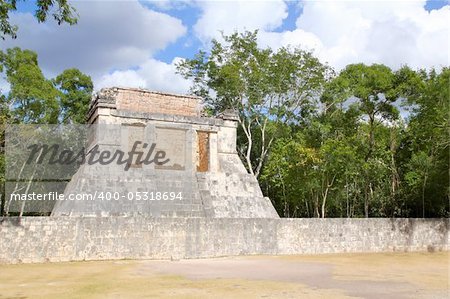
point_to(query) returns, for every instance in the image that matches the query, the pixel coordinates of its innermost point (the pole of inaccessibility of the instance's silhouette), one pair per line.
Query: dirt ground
(393, 275)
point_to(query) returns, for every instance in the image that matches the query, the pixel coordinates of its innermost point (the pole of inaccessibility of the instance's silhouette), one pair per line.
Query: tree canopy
(267, 88)
(34, 99)
(366, 142)
(357, 157)
(60, 10)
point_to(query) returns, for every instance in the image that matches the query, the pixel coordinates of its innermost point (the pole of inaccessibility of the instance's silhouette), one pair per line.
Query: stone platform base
(58, 239)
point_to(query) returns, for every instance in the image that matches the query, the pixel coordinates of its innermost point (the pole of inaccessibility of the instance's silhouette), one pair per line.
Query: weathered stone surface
(204, 165)
(57, 239)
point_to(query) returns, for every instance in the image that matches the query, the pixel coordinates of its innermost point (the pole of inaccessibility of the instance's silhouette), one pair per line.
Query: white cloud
(229, 16)
(307, 40)
(109, 35)
(152, 74)
(169, 4)
(115, 41)
(4, 85)
(389, 32)
(126, 78)
(341, 32)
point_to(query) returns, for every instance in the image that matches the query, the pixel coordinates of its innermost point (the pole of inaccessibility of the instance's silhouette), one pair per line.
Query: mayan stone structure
(204, 170)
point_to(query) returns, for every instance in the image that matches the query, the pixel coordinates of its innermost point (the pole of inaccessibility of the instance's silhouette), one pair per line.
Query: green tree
(32, 98)
(418, 174)
(354, 150)
(425, 156)
(75, 94)
(314, 172)
(267, 88)
(373, 91)
(373, 88)
(60, 10)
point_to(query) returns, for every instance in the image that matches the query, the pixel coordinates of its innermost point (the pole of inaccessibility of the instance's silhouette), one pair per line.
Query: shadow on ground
(394, 275)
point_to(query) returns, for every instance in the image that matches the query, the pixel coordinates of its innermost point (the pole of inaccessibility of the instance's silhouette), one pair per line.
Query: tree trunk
(307, 209)
(248, 134)
(316, 205)
(30, 181)
(324, 203)
(264, 150)
(16, 188)
(369, 199)
(423, 195)
(325, 194)
(347, 207)
(286, 209)
(366, 203)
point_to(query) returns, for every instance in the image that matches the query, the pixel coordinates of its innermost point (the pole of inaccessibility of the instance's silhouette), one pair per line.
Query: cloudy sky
(137, 43)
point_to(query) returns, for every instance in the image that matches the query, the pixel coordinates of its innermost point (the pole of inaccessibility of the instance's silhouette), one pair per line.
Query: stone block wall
(155, 102)
(57, 239)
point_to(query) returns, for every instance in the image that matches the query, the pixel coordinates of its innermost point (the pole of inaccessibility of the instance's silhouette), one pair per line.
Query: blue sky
(188, 46)
(138, 43)
(435, 4)
(189, 15)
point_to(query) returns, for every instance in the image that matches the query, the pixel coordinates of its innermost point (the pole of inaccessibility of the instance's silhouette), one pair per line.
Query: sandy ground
(394, 275)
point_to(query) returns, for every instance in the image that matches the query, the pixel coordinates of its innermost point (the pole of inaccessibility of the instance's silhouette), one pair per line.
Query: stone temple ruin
(204, 169)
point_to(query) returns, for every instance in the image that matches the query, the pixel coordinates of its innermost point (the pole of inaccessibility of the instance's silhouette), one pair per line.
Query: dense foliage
(266, 88)
(350, 162)
(34, 99)
(367, 142)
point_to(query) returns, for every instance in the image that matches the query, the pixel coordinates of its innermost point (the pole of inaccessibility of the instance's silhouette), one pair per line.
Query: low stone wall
(56, 239)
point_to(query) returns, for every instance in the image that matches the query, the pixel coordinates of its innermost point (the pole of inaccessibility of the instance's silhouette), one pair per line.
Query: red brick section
(155, 102)
(203, 151)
